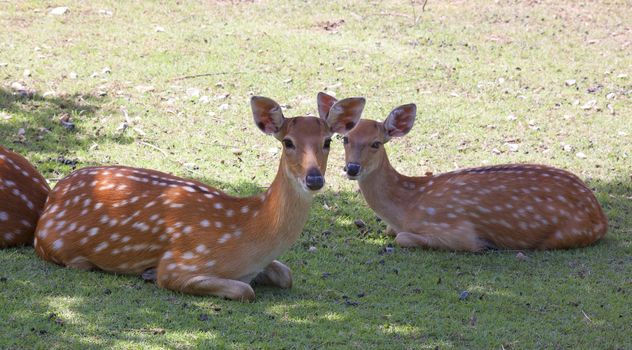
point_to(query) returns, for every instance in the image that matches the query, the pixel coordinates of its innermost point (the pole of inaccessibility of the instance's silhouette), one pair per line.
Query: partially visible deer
(188, 236)
(516, 206)
(23, 192)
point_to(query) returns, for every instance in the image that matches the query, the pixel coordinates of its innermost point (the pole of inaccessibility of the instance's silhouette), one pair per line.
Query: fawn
(515, 206)
(187, 236)
(23, 192)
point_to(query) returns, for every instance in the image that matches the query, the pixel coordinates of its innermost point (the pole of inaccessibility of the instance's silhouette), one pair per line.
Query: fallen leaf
(58, 11)
(332, 26)
(144, 88)
(513, 147)
(193, 92)
(589, 105)
(359, 223)
(610, 108)
(593, 89)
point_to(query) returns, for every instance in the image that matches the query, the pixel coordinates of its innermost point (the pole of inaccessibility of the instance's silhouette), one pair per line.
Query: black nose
(353, 169)
(314, 180)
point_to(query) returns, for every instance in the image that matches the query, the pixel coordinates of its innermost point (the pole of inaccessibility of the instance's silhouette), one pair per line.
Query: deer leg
(276, 274)
(150, 275)
(455, 240)
(390, 231)
(206, 285)
(81, 263)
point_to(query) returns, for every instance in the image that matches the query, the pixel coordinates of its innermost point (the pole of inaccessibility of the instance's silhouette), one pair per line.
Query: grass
(468, 65)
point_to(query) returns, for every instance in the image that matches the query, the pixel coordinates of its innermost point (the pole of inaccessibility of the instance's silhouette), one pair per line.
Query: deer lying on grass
(23, 192)
(516, 206)
(187, 236)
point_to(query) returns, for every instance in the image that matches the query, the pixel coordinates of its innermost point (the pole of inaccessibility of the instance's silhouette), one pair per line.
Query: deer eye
(345, 140)
(376, 144)
(287, 143)
(327, 144)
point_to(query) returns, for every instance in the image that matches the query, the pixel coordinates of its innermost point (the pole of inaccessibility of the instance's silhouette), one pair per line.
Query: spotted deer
(183, 234)
(515, 206)
(23, 192)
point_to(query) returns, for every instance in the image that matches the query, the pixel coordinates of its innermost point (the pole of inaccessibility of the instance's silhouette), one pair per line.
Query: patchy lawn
(165, 86)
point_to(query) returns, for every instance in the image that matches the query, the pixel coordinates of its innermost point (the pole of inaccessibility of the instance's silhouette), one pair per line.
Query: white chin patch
(303, 185)
(306, 189)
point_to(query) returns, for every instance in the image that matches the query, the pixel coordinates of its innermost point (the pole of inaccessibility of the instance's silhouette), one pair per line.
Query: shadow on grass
(31, 125)
(347, 292)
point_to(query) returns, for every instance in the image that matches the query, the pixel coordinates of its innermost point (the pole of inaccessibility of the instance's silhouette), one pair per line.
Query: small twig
(588, 318)
(154, 147)
(180, 163)
(412, 4)
(417, 19)
(394, 14)
(204, 75)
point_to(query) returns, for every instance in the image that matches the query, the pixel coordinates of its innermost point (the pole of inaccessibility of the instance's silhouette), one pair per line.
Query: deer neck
(389, 193)
(284, 209)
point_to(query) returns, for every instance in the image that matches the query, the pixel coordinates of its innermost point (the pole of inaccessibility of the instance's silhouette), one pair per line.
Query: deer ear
(400, 121)
(345, 114)
(325, 102)
(267, 114)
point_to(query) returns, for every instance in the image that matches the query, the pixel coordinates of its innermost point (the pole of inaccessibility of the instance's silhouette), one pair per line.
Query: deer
(184, 235)
(23, 192)
(510, 206)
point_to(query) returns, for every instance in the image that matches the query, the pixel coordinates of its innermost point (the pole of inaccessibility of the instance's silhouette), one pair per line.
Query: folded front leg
(221, 287)
(276, 275)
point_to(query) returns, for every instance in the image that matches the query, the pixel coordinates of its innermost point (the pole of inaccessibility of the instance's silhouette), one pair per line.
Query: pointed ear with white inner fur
(400, 121)
(267, 114)
(345, 114)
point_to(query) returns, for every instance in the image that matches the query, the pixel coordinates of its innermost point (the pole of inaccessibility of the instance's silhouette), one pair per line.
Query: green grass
(467, 64)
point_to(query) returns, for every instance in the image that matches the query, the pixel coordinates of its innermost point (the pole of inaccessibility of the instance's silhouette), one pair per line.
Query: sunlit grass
(483, 75)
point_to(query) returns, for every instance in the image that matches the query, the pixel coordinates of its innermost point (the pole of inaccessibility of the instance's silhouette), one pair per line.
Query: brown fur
(515, 206)
(23, 192)
(190, 237)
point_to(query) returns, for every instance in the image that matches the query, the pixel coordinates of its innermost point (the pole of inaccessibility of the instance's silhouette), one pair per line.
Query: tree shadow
(51, 129)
